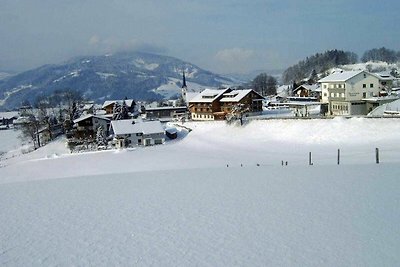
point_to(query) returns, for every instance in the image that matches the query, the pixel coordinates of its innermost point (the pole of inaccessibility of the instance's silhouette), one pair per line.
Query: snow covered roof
(384, 76)
(236, 95)
(133, 126)
(129, 102)
(208, 95)
(340, 76)
(389, 108)
(87, 116)
(311, 87)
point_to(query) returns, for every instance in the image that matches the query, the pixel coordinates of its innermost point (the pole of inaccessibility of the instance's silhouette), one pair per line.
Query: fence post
(338, 156)
(377, 155)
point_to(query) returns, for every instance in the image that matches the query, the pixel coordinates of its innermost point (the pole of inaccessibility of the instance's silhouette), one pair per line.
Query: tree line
(318, 63)
(321, 62)
(381, 54)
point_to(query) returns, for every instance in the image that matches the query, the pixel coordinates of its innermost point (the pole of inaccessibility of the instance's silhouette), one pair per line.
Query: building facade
(249, 99)
(345, 91)
(206, 105)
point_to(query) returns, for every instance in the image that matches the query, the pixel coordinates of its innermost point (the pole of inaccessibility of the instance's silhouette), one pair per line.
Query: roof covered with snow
(208, 95)
(133, 126)
(87, 116)
(129, 102)
(340, 76)
(236, 95)
(311, 87)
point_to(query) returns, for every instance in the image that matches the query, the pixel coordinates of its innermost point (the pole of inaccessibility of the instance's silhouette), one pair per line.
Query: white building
(128, 133)
(345, 91)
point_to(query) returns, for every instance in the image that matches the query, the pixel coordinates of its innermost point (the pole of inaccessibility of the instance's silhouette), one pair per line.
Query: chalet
(206, 106)
(108, 105)
(86, 125)
(345, 91)
(308, 90)
(250, 99)
(128, 133)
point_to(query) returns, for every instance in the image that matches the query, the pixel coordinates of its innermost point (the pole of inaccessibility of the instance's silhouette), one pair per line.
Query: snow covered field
(180, 205)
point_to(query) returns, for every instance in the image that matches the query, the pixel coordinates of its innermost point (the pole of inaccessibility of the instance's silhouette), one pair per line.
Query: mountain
(136, 75)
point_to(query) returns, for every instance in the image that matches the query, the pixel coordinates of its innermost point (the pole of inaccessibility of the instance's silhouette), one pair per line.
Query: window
(332, 94)
(325, 86)
(342, 94)
(371, 85)
(337, 94)
(364, 94)
(364, 85)
(325, 94)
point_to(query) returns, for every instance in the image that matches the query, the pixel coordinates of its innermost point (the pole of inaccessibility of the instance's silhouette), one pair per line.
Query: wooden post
(377, 155)
(338, 156)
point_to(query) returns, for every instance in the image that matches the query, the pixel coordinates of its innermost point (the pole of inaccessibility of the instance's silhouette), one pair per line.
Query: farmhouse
(249, 99)
(128, 133)
(108, 105)
(206, 105)
(308, 90)
(345, 91)
(86, 126)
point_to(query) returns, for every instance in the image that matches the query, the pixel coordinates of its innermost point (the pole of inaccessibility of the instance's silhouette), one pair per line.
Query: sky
(225, 36)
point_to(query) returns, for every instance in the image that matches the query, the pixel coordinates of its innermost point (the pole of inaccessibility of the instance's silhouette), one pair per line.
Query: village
(128, 123)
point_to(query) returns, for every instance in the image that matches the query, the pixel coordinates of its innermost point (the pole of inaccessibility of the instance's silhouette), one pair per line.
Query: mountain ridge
(137, 75)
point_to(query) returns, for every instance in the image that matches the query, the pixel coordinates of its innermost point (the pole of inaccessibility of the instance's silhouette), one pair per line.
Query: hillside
(179, 204)
(135, 75)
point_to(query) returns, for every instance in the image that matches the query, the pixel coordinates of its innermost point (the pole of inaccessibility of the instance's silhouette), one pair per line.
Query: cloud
(234, 55)
(113, 44)
(235, 59)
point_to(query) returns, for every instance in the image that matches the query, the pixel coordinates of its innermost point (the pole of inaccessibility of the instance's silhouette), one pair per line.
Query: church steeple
(184, 88)
(184, 80)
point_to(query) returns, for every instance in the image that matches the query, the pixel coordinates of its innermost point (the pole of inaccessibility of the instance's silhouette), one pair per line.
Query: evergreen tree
(100, 137)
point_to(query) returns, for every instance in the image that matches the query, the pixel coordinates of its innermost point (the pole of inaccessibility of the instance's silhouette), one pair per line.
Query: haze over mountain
(137, 75)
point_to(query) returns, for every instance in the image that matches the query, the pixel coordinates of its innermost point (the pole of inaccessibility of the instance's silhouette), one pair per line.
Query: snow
(179, 204)
(236, 95)
(173, 88)
(72, 74)
(340, 76)
(208, 95)
(105, 75)
(392, 108)
(140, 63)
(121, 127)
(371, 65)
